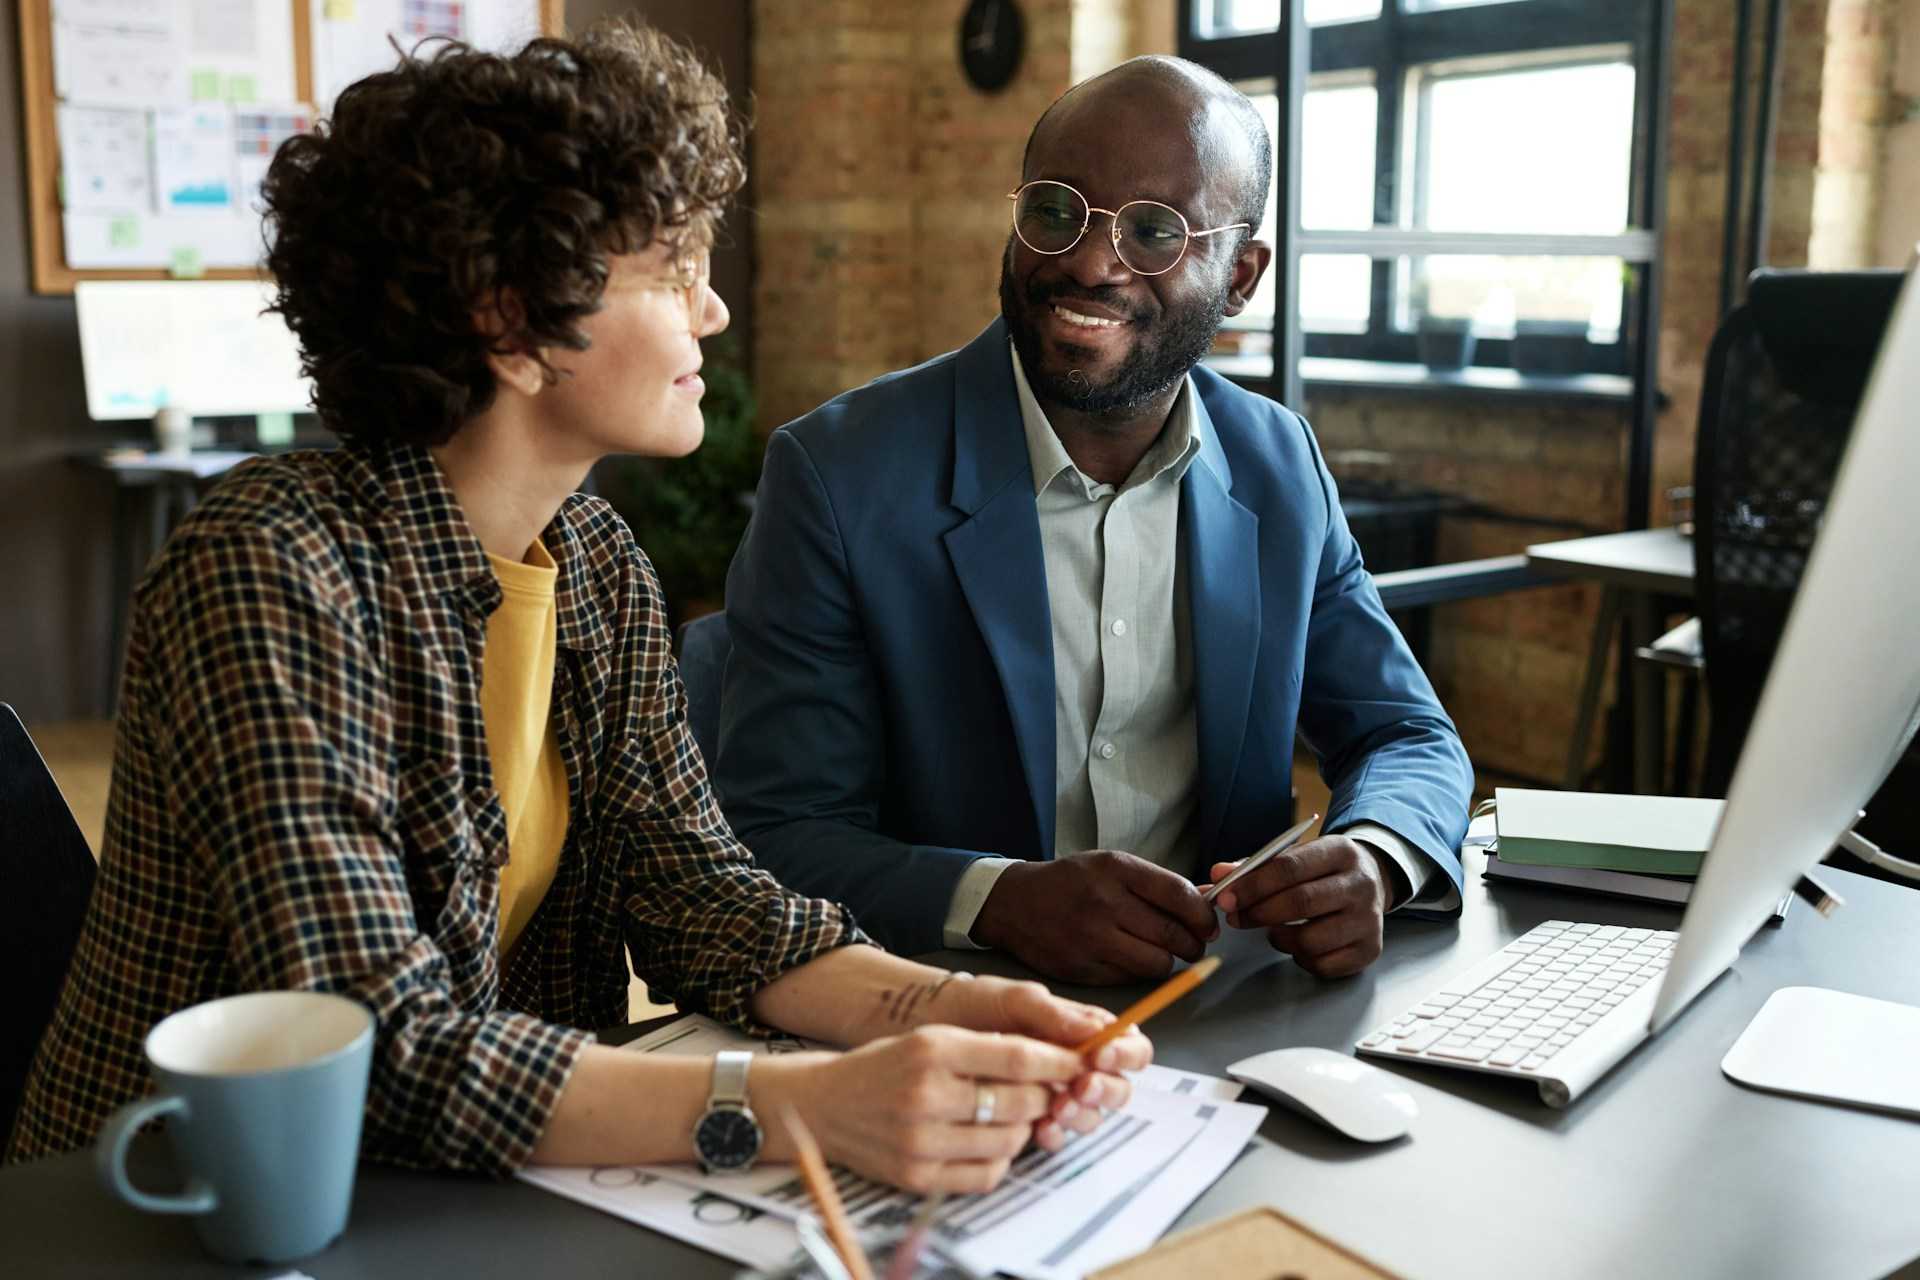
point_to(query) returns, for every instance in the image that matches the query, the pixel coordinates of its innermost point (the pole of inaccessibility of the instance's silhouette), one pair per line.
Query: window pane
(1336, 193)
(1542, 150)
(1336, 292)
(1493, 292)
(1336, 161)
(1237, 17)
(1449, 4)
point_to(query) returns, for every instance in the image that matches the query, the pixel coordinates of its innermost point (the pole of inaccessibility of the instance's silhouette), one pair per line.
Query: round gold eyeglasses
(1149, 238)
(691, 274)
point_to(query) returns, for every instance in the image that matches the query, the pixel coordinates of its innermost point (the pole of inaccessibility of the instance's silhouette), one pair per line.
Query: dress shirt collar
(1173, 451)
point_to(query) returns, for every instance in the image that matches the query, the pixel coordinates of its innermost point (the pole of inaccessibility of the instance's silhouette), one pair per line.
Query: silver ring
(983, 1104)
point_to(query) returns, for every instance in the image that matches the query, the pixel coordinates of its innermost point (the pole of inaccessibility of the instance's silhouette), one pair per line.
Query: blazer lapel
(1221, 541)
(997, 558)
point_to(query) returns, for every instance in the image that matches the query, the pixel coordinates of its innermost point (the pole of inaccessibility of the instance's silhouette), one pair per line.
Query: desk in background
(1665, 1168)
(167, 486)
(1635, 569)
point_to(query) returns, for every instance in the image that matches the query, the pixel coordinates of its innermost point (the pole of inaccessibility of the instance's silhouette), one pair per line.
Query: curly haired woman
(400, 720)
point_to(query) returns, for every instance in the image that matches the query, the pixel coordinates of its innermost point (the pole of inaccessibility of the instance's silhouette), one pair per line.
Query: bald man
(1023, 636)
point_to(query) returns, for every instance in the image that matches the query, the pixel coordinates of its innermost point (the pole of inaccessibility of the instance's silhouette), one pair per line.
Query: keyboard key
(1428, 1010)
(1534, 1063)
(1441, 998)
(1375, 1040)
(1507, 1057)
(1420, 1040)
(1459, 1050)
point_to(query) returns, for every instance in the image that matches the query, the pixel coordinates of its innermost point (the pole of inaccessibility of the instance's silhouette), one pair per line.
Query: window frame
(1401, 40)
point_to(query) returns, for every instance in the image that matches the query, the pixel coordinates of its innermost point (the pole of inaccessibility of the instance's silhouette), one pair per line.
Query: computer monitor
(1843, 695)
(207, 346)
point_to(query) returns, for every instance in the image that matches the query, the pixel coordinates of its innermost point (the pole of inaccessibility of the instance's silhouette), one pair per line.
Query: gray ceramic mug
(264, 1095)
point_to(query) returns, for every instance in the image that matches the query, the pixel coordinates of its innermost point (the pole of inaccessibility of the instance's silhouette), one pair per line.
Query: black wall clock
(992, 37)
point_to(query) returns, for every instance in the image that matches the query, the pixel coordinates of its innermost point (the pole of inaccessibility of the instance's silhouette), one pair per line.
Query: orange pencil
(813, 1170)
(1148, 1005)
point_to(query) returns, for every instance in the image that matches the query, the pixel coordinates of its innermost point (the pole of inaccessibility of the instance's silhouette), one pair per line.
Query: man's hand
(1095, 918)
(1323, 903)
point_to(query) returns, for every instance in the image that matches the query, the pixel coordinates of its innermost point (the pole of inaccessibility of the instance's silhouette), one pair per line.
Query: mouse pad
(1257, 1244)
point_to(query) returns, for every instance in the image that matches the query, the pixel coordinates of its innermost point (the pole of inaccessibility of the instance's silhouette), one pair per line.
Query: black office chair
(48, 872)
(1784, 379)
(704, 645)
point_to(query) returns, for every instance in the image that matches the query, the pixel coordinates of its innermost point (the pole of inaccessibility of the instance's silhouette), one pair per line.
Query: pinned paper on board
(228, 27)
(257, 135)
(192, 170)
(104, 159)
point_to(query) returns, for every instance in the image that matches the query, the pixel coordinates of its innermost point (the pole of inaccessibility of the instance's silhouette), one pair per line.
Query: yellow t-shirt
(516, 700)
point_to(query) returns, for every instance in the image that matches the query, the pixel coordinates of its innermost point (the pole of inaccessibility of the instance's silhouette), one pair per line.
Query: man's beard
(1170, 344)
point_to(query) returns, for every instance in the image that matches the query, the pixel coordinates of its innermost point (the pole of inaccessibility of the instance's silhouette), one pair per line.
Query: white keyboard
(1559, 1005)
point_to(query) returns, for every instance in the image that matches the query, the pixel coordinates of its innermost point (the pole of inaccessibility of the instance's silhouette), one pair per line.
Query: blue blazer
(888, 713)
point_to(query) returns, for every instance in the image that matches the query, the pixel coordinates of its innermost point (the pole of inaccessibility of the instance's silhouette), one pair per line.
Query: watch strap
(729, 1079)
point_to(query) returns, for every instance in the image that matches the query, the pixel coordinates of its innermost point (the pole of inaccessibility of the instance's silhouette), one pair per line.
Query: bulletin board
(151, 122)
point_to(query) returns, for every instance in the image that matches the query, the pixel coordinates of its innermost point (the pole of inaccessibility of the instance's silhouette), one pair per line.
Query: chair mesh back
(1784, 380)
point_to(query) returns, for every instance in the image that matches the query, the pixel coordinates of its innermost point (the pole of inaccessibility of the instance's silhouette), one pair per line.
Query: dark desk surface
(1664, 1168)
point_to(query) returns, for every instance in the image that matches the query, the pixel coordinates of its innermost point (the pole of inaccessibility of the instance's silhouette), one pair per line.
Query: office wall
(883, 174)
(1900, 190)
(54, 554)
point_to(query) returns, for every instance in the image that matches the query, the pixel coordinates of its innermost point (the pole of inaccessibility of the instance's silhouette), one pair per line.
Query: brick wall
(881, 220)
(882, 175)
(1900, 174)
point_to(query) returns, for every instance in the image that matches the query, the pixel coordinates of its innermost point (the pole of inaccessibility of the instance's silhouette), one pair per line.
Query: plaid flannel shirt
(302, 798)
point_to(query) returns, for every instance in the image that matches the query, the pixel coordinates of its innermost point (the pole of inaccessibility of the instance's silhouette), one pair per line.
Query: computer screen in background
(1840, 700)
(206, 346)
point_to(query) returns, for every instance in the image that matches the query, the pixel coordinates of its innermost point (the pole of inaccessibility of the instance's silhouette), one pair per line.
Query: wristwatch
(727, 1138)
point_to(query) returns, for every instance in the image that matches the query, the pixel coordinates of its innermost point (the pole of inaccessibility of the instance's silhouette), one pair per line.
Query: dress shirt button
(1119, 626)
(1106, 751)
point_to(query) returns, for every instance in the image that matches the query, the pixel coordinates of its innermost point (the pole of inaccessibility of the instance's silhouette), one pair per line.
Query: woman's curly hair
(463, 182)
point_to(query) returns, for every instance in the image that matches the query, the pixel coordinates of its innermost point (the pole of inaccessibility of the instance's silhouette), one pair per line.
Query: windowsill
(1323, 372)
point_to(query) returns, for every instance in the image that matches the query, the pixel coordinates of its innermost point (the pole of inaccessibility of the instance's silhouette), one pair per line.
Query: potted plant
(689, 513)
(1556, 347)
(1444, 343)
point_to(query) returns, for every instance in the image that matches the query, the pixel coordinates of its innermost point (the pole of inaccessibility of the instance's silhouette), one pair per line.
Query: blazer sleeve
(1389, 752)
(803, 735)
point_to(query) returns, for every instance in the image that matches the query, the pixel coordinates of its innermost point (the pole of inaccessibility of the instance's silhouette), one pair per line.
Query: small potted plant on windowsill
(1444, 343)
(1556, 347)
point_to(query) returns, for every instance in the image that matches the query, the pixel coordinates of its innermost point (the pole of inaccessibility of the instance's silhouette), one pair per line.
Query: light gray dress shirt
(1126, 753)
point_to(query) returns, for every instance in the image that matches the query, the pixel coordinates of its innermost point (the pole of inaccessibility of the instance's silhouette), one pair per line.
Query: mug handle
(110, 1159)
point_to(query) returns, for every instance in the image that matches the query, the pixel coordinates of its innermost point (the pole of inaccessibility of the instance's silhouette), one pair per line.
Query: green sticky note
(185, 263)
(240, 89)
(273, 428)
(124, 232)
(204, 85)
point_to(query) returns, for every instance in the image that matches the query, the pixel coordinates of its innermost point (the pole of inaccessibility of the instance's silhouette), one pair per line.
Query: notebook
(1650, 835)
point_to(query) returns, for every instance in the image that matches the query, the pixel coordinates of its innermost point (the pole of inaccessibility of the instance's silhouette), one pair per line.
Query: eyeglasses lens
(1151, 236)
(1049, 217)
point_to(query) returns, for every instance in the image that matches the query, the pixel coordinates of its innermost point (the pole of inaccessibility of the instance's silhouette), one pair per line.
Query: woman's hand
(1029, 1009)
(902, 1109)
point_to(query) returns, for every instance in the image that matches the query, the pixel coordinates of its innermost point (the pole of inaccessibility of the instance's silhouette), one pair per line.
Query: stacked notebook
(1648, 847)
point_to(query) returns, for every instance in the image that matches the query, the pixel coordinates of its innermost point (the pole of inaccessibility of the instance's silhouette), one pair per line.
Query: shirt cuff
(976, 882)
(1423, 875)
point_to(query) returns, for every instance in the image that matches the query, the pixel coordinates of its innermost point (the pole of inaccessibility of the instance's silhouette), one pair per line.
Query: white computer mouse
(1341, 1092)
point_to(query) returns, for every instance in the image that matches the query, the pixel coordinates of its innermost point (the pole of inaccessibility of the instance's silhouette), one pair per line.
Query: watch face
(727, 1139)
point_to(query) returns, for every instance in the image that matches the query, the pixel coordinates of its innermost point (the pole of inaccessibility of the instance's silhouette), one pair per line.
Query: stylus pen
(1278, 845)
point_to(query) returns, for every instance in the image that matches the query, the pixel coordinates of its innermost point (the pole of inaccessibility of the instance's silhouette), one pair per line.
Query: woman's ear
(512, 366)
